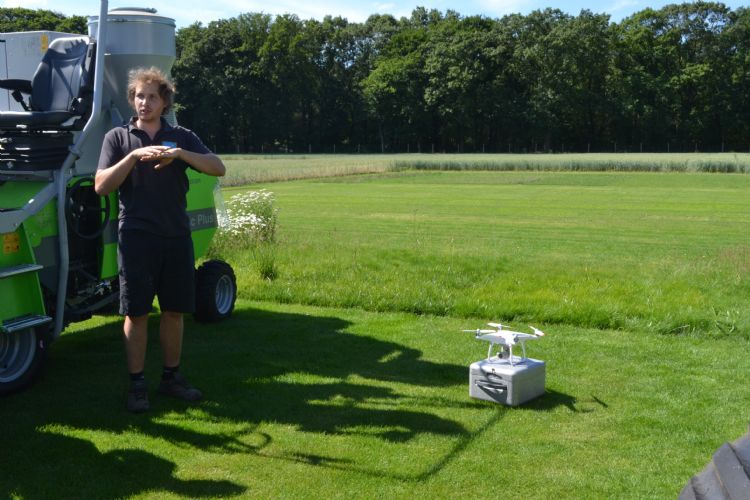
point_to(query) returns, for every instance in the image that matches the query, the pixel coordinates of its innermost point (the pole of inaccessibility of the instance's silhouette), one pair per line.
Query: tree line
(672, 79)
(20, 19)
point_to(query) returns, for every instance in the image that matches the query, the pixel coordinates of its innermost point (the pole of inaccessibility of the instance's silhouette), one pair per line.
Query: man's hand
(207, 163)
(109, 179)
(163, 154)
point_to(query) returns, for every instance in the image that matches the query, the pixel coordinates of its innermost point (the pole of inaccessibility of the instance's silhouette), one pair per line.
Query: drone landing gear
(506, 353)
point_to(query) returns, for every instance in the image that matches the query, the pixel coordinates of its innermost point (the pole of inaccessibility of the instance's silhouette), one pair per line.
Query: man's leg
(170, 331)
(136, 338)
(136, 260)
(173, 383)
(135, 332)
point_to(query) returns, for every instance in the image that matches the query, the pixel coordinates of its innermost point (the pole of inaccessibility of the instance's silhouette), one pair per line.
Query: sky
(186, 12)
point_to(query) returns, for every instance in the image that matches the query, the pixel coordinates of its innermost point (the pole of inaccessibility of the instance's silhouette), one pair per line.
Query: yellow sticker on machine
(11, 243)
(44, 39)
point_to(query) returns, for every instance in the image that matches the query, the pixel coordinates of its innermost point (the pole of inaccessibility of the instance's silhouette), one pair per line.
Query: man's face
(148, 104)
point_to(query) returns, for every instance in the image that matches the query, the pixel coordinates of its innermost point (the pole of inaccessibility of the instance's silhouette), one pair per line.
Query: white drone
(507, 339)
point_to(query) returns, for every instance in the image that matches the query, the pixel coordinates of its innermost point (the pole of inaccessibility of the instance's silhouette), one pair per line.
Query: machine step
(7, 272)
(24, 322)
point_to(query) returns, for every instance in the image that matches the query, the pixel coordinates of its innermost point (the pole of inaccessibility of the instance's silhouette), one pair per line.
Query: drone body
(507, 339)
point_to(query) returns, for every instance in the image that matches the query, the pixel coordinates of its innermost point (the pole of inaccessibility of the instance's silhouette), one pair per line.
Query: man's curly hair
(151, 75)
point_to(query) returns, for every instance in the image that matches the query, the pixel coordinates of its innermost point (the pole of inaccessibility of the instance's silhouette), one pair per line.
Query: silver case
(496, 380)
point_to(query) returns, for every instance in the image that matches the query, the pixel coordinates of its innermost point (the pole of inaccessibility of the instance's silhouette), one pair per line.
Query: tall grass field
(248, 168)
(344, 374)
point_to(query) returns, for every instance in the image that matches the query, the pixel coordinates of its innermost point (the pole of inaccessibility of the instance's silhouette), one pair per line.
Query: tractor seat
(60, 91)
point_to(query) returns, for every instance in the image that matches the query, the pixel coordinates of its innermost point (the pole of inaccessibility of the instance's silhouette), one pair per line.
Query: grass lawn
(347, 375)
(320, 402)
(656, 252)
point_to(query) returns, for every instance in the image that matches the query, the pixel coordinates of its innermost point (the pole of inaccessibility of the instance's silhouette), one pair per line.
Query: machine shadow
(341, 371)
(241, 365)
(50, 465)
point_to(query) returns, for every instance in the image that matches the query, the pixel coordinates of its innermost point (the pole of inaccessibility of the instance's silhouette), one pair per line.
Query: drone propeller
(499, 326)
(537, 331)
(478, 331)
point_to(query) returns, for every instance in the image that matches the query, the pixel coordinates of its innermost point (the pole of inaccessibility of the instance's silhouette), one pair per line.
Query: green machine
(58, 262)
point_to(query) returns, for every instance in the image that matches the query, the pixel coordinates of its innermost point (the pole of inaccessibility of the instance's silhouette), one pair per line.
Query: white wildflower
(251, 215)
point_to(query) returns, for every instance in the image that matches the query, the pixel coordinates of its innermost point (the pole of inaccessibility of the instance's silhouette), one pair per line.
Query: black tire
(22, 358)
(215, 291)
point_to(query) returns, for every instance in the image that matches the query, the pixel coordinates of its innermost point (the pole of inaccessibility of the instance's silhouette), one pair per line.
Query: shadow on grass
(553, 399)
(258, 367)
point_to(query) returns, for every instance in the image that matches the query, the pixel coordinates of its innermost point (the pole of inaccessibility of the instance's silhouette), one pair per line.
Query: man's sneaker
(138, 397)
(178, 387)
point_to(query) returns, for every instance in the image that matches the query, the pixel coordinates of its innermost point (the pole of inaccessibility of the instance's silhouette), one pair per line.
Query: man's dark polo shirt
(152, 200)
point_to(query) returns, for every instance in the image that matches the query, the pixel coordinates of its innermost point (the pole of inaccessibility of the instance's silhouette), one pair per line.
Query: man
(146, 160)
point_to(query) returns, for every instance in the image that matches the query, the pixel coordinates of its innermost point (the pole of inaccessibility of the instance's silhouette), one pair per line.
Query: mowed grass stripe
(572, 207)
(660, 252)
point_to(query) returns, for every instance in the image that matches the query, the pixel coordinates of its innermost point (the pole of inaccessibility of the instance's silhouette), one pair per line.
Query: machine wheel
(86, 217)
(215, 291)
(22, 356)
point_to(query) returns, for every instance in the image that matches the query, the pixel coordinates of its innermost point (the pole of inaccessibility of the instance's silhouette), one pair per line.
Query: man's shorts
(152, 265)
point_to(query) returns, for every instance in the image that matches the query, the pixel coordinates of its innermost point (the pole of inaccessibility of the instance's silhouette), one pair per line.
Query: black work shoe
(138, 397)
(178, 387)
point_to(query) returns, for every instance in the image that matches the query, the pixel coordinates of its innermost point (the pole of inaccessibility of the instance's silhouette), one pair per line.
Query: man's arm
(108, 179)
(208, 163)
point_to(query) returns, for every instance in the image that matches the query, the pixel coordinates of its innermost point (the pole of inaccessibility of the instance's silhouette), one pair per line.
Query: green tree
(287, 59)
(674, 70)
(341, 104)
(395, 87)
(463, 66)
(20, 19)
(735, 40)
(220, 93)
